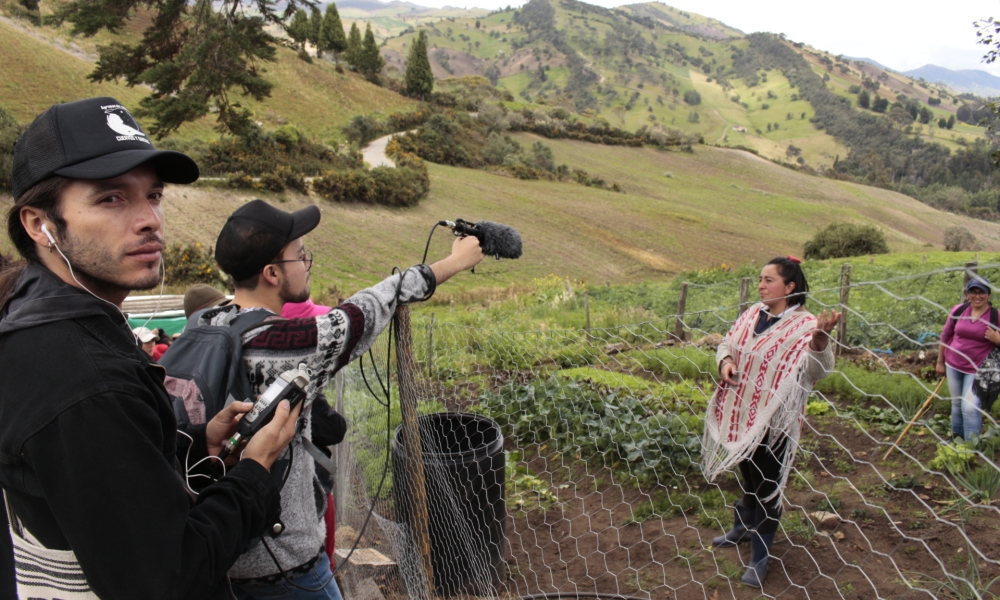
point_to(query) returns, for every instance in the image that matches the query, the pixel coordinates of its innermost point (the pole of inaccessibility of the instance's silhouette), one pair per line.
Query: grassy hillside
(645, 57)
(681, 211)
(43, 66)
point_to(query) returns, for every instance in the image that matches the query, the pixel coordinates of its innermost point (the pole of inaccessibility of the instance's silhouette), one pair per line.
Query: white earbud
(45, 230)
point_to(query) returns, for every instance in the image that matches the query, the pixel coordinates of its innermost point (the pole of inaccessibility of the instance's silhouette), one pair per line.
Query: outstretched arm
(465, 254)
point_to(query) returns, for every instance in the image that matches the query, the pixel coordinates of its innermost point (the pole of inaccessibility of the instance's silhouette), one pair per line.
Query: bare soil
(584, 544)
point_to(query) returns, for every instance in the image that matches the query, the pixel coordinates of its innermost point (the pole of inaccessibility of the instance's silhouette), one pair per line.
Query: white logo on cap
(117, 116)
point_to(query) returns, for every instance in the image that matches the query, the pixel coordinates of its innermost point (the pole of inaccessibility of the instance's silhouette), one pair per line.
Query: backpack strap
(994, 316)
(239, 380)
(961, 309)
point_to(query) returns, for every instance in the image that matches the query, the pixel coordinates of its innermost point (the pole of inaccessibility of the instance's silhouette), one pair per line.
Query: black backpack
(205, 364)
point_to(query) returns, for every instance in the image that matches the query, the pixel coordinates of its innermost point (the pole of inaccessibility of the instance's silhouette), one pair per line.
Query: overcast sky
(900, 35)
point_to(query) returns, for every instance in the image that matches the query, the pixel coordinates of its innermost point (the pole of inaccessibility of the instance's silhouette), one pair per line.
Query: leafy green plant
(525, 491)
(953, 457)
(795, 525)
(607, 428)
(816, 408)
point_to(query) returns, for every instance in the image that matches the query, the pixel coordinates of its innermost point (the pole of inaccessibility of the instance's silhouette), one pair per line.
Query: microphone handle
(463, 227)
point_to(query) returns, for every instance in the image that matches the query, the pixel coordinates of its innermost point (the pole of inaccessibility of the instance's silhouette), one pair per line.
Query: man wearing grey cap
(263, 249)
(93, 471)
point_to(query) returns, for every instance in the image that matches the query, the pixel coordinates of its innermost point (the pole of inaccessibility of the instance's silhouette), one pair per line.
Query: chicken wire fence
(565, 463)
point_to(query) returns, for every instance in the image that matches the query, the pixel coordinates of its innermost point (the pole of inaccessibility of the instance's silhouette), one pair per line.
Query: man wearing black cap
(262, 248)
(90, 459)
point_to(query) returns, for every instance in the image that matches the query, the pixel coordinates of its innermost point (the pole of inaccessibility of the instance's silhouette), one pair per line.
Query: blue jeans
(311, 580)
(966, 419)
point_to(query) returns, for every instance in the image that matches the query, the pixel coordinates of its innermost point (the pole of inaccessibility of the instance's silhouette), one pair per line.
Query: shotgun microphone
(499, 241)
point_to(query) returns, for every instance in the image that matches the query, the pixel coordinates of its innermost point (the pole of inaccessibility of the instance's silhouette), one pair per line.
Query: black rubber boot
(740, 532)
(760, 552)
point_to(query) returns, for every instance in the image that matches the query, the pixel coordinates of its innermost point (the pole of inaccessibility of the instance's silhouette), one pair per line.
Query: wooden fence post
(679, 324)
(971, 268)
(845, 290)
(415, 481)
(744, 294)
(586, 308)
(430, 348)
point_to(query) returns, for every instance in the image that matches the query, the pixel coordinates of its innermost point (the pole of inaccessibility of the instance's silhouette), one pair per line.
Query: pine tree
(353, 52)
(371, 59)
(298, 29)
(419, 79)
(315, 30)
(185, 86)
(332, 38)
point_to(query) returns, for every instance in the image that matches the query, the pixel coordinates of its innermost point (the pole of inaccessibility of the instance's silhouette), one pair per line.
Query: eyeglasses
(306, 259)
(977, 292)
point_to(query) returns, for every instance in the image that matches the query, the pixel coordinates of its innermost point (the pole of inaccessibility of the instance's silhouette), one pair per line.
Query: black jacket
(90, 457)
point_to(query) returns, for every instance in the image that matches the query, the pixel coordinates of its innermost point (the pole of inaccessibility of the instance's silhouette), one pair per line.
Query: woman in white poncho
(768, 363)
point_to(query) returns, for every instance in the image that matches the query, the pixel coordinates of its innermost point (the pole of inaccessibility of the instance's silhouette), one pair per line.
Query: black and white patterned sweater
(325, 343)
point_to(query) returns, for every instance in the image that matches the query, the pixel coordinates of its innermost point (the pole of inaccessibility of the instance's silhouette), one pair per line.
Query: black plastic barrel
(465, 479)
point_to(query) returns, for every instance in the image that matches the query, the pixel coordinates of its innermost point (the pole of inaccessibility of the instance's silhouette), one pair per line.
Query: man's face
(295, 287)
(114, 230)
(147, 347)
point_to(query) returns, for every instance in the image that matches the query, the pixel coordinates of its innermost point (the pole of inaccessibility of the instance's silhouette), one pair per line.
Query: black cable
(387, 390)
(427, 247)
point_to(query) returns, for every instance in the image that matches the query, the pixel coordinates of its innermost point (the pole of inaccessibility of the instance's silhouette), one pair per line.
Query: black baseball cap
(96, 138)
(256, 232)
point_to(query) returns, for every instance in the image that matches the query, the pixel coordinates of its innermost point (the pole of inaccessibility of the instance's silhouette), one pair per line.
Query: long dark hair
(45, 196)
(791, 272)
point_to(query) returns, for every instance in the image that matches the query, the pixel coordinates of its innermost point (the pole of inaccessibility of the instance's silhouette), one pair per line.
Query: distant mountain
(869, 61)
(375, 5)
(973, 81)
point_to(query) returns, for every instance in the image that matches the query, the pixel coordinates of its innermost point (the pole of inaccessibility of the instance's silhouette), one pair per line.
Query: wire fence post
(679, 324)
(430, 348)
(971, 270)
(415, 482)
(845, 290)
(744, 294)
(586, 309)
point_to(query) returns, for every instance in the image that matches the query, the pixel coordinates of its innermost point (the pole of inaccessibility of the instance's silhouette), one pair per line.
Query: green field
(716, 206)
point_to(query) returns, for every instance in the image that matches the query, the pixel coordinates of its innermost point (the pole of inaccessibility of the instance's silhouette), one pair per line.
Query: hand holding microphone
(499, 241)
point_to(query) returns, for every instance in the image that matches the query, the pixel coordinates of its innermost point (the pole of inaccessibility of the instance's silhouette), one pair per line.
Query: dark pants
(761, 474)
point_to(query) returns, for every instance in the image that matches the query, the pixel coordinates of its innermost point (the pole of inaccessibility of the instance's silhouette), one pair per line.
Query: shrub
(840, 240)
(958, 238)
(261, 152)
(404, 185)
(186, 264)
(363, 129)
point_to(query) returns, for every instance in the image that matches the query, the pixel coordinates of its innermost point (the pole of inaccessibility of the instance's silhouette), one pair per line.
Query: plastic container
(465, 480)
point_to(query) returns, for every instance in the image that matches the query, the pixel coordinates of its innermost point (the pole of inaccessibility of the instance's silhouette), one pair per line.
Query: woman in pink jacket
(965, 342)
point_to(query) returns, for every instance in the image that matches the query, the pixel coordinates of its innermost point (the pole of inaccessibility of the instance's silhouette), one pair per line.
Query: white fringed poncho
(777, 373)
